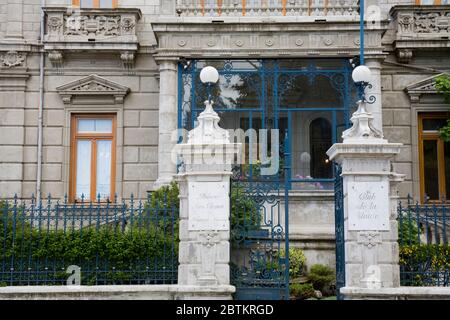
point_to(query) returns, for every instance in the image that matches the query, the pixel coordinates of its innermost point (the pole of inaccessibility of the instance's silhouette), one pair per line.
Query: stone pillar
(370, 204)
(14, 28)
(204, 252)
(168, 102)
(375, 108)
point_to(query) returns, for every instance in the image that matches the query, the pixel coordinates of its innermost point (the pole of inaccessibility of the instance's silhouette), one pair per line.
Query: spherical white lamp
(209, 75)
(361, 74)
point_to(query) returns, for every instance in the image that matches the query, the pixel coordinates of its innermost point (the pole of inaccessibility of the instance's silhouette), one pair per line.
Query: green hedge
(145, 251)
(423, 264)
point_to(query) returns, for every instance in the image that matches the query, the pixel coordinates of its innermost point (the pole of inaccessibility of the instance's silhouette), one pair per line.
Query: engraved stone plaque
(368, 205)
(209, 206)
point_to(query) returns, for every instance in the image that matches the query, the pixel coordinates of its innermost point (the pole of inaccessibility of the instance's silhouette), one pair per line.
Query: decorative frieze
(105, 30)
(420, 27)
(295, 39)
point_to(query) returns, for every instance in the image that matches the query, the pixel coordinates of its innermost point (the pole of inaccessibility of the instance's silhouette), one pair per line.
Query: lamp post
(361, 76)
(209, 76)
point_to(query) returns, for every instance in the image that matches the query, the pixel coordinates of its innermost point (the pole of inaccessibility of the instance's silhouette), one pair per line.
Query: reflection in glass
(320, 141)
(87, 3)
(431, 173)
(104, 168)
(105, 3)
(83, 182)
(433, 124)
(95, 125)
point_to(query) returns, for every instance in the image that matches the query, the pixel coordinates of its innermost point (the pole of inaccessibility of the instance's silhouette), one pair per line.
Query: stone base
(401, 293)
(137, 292)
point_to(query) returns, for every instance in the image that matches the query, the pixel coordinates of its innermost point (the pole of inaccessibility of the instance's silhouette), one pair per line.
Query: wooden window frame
(96, 3)
(440, 154)
(93, 137)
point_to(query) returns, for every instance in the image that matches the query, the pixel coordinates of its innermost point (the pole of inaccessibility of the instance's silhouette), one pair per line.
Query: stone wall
(400, 111)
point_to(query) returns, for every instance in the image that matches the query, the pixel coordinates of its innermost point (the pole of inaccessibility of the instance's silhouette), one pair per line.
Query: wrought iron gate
(288, 95)
(259, 234)
(339, 227)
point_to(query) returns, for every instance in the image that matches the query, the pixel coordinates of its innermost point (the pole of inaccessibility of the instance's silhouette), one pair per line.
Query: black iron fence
(424, 231)
(89, 243)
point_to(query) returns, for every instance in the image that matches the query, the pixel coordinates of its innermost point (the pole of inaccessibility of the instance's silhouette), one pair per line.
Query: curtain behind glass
(104, 168)
(83, 186)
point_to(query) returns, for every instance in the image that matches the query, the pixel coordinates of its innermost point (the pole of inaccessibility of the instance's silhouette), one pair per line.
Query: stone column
(375, 108)
(168, 103)
(14, 28)
(204, 252)
(370, 204)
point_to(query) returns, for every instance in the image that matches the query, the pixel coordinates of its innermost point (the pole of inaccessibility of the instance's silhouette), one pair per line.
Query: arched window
(320, 140)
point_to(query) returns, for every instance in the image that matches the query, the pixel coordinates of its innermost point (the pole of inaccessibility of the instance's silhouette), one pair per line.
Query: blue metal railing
(424, 231)
(133, 242)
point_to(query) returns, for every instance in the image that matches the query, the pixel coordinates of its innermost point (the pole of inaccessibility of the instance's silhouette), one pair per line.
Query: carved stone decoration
(432, 22)
(239, 43)
(406, 23)
(370, 239)
(128, 25)
(92, 25)
(299, 42)
(269, 42)
(12, 59)
(404, 55)
(182, 43)
(56, 58)
(209, 242)
(54, 24)
(93, 86)
(362, 129)
(208, 130)
(127, 58)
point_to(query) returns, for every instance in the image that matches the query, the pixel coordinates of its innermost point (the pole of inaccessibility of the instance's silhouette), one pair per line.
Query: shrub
(302, 291)
(321, 277)
(106, 254)
(297, 262)
(408, 231)
(424, 264)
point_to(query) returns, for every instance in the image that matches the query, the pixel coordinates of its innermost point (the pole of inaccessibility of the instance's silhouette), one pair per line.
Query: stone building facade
(115, 69)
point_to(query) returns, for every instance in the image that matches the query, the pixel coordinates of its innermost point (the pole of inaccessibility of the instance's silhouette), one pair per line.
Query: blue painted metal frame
(270, 71)
(339, 231)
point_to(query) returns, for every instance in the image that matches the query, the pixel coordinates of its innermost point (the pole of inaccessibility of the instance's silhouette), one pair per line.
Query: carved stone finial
(362, 129)
(208, 130)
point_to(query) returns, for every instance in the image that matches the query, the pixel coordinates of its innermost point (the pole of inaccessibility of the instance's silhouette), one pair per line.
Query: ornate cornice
(309, 39)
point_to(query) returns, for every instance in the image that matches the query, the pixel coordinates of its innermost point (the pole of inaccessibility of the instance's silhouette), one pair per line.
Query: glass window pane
(83, 181)
(431, 173)
(433, 124)
(104, 168)
(96, 126)
(447, 169)
(87, 3)
(105, 3)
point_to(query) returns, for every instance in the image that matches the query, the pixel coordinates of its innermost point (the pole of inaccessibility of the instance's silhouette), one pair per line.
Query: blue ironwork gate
(339, 227)
(260, 234)
(308, 102)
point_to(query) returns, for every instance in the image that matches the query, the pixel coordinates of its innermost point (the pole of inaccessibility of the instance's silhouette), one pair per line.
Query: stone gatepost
(370, 204)
(204, 181)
